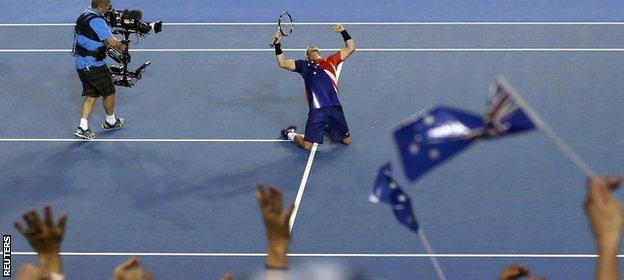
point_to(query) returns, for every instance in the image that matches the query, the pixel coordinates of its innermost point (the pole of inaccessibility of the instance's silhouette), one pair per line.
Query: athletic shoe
(84, 134)
(118, 124)
(292, 128)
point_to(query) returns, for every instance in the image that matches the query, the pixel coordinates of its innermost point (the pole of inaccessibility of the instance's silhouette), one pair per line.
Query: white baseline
(136, 140)
(370, 23)
(359, 50)
(362, 255)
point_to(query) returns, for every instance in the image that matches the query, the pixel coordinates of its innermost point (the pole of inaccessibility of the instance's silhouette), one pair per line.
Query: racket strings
(285, 24)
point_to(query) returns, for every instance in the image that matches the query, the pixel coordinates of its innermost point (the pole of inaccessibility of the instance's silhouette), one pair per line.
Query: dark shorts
(96, 82)
(330, 119)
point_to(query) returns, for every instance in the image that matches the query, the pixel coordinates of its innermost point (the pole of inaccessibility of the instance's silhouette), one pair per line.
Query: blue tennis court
(176, 185)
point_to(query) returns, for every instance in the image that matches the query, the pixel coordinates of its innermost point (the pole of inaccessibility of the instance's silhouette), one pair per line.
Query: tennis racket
(285, 26)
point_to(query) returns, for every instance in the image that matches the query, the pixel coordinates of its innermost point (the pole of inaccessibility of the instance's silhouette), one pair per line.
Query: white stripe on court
(302, 186)
(136, 140)
(394, 23)
(369, 23)
(315, 255)
(358, 50)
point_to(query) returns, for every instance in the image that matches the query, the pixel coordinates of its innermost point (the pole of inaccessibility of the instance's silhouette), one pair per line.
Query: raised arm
(45, 236)
(604, 213)
(276, 220)
(349, 44)
(288, 64)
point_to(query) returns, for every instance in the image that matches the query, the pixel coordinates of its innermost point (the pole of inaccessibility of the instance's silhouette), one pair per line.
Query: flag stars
(429, 120)
(418, 137)
(434, 154)
(388, 191)
(414, 149)
(393, 185)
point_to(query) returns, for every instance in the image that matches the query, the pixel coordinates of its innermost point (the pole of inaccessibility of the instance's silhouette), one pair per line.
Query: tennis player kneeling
(321, 82)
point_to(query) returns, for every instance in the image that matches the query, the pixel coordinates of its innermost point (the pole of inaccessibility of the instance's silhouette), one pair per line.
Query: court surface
(176, 185)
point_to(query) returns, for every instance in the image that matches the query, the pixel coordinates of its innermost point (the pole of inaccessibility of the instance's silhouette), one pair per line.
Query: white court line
(426, 23)
(135, 140)
(358, 50)
(372, 23)
(546, 256)
(302, 186)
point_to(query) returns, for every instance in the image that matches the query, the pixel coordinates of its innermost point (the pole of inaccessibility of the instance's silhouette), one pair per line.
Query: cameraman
(91, 40)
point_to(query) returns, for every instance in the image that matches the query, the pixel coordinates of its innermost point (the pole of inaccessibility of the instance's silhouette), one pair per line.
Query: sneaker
(292, 128)
(84, 134)
(118, 124)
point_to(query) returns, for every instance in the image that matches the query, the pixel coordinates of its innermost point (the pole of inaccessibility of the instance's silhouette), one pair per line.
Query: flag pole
(565, 148)
(432, 257)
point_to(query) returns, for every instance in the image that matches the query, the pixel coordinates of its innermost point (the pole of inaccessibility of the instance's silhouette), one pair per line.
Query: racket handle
(274, 41)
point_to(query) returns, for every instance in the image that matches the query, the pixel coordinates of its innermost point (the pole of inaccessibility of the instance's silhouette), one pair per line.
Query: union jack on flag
(505, 114)
(438, 133)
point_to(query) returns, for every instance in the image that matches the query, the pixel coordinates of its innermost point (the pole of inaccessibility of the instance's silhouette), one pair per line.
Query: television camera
(125, 23)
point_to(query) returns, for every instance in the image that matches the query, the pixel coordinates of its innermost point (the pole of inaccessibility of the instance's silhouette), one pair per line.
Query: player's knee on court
(346, 140)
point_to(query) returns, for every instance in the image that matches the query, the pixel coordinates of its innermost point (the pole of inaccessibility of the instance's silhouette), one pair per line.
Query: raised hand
(131, 270)
(339, 28)
(45, 237)
(277, 38)
(276, 221)
(604, 212)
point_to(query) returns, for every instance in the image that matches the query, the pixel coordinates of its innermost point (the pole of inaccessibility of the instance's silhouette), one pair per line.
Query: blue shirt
(103, 32)
(321, 80)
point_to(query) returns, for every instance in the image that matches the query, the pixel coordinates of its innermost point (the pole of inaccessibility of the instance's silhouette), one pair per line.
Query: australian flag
(387, 190)
(433, 136)
(436, 134)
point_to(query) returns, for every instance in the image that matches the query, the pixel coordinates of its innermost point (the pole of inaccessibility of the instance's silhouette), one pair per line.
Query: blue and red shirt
(321, 80)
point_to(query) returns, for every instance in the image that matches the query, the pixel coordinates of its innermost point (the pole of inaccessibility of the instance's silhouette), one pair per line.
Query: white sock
(84, 124)
(111, 119)
(291, 136)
